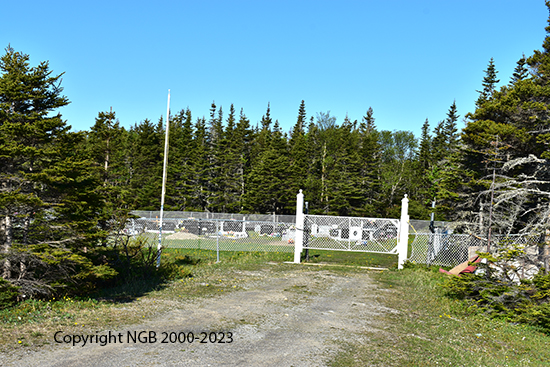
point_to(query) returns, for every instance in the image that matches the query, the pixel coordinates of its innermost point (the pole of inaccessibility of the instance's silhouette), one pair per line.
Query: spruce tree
(268, 180)
(187, 164)
(147, 145)
(262, 137)
(517, 118)
(489, 84)
(299, 155)
(217, 145)
(181, 169)
(243, 136)
(439, 143)
(369, 151)
(201, 194)
(48, 201)
(230, 149)
(520, 72)
(106, 147)
(451, 130)
(425, 152)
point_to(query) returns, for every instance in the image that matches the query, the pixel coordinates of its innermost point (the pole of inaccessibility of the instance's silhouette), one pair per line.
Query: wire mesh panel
(350, 234)
(217, 234)
(423, 226)
(441, 249)
(153, 215)
(449, 249)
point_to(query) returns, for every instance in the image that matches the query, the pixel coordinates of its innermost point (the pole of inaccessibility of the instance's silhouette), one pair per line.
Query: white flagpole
(163, 192)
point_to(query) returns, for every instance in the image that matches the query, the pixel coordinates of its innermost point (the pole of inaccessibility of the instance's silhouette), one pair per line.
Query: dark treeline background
(224, 164)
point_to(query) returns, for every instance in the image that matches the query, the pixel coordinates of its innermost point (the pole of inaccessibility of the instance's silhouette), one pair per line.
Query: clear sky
(408, 60)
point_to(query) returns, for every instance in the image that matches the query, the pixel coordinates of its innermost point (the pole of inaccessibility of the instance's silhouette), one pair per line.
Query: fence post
(403, 244)
(218, 241)
(299, 241)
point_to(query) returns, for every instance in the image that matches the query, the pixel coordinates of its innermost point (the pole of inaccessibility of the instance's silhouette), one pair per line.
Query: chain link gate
(323, 232)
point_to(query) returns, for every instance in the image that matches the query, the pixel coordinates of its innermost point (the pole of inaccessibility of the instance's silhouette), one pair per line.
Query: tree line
(224, 164)
(63, 192)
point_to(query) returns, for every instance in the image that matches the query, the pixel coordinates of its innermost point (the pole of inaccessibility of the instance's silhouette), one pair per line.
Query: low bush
(8, 294)
(524, 302)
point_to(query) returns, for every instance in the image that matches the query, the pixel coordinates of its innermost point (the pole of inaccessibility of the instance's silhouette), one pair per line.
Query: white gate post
(403, 239)
(299, 240)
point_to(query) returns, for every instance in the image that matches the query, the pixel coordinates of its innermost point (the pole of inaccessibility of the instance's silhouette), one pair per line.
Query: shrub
(8, 294)
(526, 302)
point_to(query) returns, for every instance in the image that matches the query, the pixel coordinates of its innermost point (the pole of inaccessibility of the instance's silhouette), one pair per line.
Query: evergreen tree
(106, 147)
(201, 194)
(425, 152)
(147, 145)
(181, 163)
(520, 72)
(370, 153)
(451, 130)
(230, 150)
(299, 155)
(439, 143)
(217, 156)
(262, 137)
(268, 180)
(243, 136)
(48, 201)
(346, 192)
(489, 84)
(299, 127)
(517, 118)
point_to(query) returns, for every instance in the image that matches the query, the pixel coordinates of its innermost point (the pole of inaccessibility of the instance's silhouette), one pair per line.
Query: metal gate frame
(323, 232)
(361, 228)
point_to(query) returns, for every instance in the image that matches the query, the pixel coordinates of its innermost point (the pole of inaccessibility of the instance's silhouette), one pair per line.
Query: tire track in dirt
(294, 319)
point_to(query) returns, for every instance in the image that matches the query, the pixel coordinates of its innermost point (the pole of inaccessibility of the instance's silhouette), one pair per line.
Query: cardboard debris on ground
(462, 268)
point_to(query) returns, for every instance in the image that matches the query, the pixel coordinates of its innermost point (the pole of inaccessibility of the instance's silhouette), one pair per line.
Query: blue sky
(408, 60)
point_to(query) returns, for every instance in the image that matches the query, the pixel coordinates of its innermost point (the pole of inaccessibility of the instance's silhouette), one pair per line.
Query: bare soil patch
(182, 236)
(296, 318)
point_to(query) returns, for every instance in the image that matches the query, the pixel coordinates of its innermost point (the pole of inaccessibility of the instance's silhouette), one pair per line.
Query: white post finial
(299, 240)
(403, 239)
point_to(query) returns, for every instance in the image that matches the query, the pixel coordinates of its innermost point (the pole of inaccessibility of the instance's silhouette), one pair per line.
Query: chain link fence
(154, 215)
(350, 234)
(444, 248)
(217, 234)
(277, 233)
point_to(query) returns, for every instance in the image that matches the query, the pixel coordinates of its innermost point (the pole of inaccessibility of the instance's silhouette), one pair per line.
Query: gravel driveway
(299, 318)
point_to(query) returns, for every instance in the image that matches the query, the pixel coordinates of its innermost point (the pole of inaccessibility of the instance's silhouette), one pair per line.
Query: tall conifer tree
(48, 198)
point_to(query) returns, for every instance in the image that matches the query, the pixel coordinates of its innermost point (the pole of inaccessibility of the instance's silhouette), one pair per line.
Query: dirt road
(300, 318)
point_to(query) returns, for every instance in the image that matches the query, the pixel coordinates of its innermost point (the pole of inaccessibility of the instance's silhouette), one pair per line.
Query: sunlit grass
(428, 329)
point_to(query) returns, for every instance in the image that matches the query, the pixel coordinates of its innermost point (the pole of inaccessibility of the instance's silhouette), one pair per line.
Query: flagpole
(163, 192)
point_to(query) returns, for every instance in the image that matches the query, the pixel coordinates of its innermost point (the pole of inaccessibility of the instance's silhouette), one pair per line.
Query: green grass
(429, 329)
(353, 258)
(33, 322)
(425, 328)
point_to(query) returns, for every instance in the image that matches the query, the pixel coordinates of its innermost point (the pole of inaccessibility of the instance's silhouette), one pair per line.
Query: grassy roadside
(32, 324)
(425, 330)
(430, 330)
